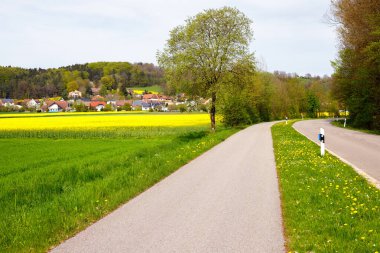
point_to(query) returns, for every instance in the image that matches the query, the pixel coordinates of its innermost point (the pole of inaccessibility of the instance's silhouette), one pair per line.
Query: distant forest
(109, 77)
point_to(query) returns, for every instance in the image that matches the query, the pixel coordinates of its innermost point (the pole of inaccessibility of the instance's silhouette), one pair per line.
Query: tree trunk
(212, 111)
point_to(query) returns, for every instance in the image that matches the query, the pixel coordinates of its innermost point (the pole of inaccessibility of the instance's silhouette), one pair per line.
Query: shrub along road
(226, 200)
(359, 149)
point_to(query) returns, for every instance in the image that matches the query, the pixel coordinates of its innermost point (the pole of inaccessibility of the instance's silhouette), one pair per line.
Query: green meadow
(54, 183)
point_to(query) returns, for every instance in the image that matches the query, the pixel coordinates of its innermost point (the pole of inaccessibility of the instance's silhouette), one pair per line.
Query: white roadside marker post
(321, 138)
(345, 120)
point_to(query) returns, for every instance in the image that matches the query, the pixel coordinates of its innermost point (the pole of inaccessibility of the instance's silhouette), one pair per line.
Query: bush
(107, 108)
(202, 108)
(127, 107)
(172, 107)
(182, 108)
(236, 112)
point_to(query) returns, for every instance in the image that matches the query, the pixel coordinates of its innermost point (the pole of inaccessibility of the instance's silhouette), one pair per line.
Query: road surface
(359, 149)
(226, 200)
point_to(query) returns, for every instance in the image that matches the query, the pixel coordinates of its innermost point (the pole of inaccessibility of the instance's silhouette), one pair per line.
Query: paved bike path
(226, 200)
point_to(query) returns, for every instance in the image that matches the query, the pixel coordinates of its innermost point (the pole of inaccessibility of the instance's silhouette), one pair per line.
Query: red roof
(123, 102)
(150, 96)
(96, 103)
(62, 104)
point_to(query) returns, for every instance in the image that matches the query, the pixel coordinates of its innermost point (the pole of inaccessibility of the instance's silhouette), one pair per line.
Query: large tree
(200, 56)
(357, 70)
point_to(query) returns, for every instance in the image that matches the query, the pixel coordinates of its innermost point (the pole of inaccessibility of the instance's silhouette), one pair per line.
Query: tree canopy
(22, 83)
(202, 56)
(357, 70)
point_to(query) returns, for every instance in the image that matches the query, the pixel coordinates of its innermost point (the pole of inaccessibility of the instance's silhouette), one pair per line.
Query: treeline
(108, 77)
(357, 69)
(264, 96)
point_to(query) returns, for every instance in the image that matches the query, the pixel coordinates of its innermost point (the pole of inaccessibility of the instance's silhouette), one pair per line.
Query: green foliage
(127, 107)
(38, 83)
(234, 111)
(199, 56)
(52, 192)
(108, 108)
(357, 70)
(327, 206)
(107, 82)
(313, 105)
(80, 107)
(182, 108)
(71, 86)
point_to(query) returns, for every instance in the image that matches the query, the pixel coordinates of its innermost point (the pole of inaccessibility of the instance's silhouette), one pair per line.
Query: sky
(289, 35)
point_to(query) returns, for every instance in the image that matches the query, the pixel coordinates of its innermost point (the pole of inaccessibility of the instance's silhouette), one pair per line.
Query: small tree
(107, 108)
(71, 86)
(313, 105)
(200, 54)
(127, 107)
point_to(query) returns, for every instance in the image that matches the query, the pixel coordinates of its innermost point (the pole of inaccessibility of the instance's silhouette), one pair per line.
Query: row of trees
(110, 76)
(357, 70)
(209, 57)
(265, 97)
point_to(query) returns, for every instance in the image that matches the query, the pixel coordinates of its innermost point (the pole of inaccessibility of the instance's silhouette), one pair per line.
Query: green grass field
(327, 206)
(154, 88)
(55, 185)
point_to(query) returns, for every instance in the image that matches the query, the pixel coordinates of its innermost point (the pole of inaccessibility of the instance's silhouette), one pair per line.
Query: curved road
(360, 150)
(226, 200)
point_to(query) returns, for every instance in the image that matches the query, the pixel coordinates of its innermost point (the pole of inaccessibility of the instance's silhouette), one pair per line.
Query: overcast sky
(289, 35)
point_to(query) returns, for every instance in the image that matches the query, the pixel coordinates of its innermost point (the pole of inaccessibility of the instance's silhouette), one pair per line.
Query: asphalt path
(226, 200)
(359, 149)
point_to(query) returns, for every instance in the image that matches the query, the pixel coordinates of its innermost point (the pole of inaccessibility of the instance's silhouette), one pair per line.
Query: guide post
(321, 138)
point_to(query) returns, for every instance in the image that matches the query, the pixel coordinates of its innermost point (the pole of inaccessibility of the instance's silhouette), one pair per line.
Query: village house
(7, 102)
(97, 105)
(153, 106)
(75, 94)
(121, 103)
(85, 101)
(55, 106)
(32, 103)
(150, 98)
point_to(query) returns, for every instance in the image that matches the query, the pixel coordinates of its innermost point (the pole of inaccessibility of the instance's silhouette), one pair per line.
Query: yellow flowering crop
(102, 121)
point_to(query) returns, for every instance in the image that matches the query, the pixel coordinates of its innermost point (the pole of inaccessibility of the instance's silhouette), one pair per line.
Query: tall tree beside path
(201, 56)
(357, 70)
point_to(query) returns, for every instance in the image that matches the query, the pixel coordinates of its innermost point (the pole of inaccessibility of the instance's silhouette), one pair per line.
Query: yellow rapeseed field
(101, 120)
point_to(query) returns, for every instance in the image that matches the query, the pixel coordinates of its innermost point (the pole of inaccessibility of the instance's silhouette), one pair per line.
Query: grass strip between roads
(327, 206)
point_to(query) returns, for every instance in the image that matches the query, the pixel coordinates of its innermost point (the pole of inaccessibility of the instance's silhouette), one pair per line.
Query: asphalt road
(359, 149)
(226, 200)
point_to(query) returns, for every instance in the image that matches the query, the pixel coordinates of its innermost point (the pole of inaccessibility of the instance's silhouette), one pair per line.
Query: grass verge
(52, 188)
(327, 206)
(340, 123)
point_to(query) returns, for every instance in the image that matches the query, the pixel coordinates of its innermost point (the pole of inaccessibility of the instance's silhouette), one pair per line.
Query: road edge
(370, 180)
